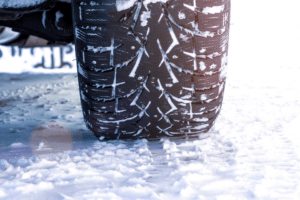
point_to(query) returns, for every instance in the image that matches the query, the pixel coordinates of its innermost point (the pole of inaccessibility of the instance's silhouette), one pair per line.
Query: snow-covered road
(252, 152)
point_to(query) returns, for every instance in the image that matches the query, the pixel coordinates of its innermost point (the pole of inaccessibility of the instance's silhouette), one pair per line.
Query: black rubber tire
(165, 77)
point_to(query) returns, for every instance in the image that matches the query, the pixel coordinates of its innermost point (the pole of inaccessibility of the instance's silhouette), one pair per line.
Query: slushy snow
(252, 152)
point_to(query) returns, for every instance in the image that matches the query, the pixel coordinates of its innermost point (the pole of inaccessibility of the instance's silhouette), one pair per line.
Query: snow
(23, 3)
(30, 60)
(252, 152)
(144, 16)
(213, 10)
(19, 3)
(126, 4)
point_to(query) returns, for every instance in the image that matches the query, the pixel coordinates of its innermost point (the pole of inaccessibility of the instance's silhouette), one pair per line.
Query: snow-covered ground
(252, 152)
(57, 59)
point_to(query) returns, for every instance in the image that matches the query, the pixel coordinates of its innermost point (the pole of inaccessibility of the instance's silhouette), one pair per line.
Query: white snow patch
(181, 15)
(202, 66)
(201, 126)
(19, 3)
(170, 146)
(29, 188)
(204, 119)
(144, 17)
(213, 10)
(223, 66)
(203, 97)
(2, 193)
(186, 96)
(213, 66)
(293, 132)
(24, 60)
(183, 37)
(202, 50)
(124, 4)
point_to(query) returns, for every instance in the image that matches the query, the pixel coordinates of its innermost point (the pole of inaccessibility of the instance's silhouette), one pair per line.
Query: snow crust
(252, 152)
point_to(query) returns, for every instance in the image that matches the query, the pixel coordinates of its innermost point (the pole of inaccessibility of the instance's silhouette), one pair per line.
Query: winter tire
(149, 70)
